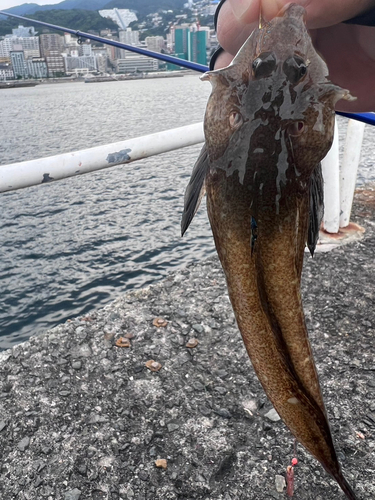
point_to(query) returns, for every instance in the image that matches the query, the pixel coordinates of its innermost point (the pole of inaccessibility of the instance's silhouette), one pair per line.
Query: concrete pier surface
(83, 417)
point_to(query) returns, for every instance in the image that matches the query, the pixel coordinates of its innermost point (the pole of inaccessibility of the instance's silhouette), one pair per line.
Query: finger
(320, 13)
(223, 60)
(231, 32)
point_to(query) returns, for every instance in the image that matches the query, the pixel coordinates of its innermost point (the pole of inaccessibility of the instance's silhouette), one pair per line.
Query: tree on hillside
(82, 20)
(144, 7)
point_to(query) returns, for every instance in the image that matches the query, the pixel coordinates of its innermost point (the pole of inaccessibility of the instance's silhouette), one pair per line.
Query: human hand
(348, 49)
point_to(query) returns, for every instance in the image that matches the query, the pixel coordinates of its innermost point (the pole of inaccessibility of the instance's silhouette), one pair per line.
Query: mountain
(22, 10)
(75, 19)
(144, 7)
(30, 8)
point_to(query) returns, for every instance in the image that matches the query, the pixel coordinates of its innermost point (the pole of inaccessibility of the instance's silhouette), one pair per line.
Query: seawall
(83, 418)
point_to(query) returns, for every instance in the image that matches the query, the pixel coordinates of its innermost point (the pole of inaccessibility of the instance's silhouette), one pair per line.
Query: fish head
(273, 106)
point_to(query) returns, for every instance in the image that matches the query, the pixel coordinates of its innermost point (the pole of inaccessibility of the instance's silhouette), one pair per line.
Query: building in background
(6, 45)
(17, 57)
(129, 37)
(36, 67)
(30, 45)
(85, 49)
(6, 71)
(51, 48)
(55, 63)
(70, 43)
(139, 63)
(191, 43)
(122, 17)
(209, 10)
(101, 63)
(102, 59)
(197, 47)
(181, 34)
(23, 32)
(51, 42)
(155, 43)
(170, 40)
(79, 65)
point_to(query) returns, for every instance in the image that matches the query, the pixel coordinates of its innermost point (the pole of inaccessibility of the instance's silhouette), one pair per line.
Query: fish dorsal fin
(195, 190)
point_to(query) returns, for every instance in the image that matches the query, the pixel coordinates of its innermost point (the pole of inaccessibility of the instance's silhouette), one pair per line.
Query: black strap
(217, 13)
(218, 49)
(365, 19)
(214, 56)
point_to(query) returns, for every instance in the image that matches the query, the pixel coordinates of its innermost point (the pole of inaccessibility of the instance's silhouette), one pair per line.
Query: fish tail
(345, 486)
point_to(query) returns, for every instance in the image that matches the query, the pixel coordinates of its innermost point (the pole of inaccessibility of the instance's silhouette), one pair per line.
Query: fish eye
(295, 69)
(264, 65)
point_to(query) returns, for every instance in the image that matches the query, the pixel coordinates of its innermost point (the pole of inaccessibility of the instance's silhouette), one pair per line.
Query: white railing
(35, 172)
(339, 184)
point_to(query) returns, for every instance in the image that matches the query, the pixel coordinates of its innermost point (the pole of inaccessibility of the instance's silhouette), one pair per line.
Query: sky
(7, 4)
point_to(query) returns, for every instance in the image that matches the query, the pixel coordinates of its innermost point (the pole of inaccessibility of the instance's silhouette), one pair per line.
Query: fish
(268, 124)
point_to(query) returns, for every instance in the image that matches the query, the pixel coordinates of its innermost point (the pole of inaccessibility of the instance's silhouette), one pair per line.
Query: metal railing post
(349, 168)
(331, 176)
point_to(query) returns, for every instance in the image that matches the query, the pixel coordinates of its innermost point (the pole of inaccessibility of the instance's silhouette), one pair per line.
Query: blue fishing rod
(368, 118)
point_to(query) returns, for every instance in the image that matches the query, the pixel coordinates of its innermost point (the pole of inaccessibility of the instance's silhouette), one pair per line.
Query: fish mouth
(292, 10)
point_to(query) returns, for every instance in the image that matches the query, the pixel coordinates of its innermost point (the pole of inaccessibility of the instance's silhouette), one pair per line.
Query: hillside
(143, 7)
(75, 19)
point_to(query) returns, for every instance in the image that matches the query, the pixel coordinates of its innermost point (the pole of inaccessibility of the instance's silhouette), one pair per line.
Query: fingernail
(270, 8)
(240, 7)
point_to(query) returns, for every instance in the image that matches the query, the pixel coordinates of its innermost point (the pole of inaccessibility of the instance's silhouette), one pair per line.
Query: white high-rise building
(80, 64)
(18, 63)
(155, 43)
(134, 63)
(36, 67)
(122, 17)
(6, 45)
(30, 45)
(23, 32)
(85, 49)
(129, 36)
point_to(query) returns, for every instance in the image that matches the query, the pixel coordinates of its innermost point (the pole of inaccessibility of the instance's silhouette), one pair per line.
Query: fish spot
(293, 401)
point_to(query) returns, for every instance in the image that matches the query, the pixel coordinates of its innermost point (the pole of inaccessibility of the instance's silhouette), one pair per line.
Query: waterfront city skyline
(7, 4)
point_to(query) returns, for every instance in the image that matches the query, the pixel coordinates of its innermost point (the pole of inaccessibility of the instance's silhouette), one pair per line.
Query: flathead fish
(269, 122)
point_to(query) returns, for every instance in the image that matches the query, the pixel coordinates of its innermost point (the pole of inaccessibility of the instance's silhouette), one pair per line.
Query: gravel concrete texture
(83, 418)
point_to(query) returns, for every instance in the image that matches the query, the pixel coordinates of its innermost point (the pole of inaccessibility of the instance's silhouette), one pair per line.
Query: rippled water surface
(72, 246)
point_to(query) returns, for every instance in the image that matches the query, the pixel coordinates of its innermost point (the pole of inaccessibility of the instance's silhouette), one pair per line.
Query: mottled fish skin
(268, 124)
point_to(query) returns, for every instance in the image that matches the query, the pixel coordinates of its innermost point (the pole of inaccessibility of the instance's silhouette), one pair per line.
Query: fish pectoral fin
(316, 208)
(195, 190)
